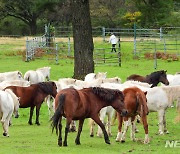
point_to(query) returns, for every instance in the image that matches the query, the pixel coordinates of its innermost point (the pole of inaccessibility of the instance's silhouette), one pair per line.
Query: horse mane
(157, 73)
(46, 86)
(105, 94)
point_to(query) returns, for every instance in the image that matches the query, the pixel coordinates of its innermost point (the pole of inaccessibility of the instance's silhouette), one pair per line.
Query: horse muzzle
(124, 113)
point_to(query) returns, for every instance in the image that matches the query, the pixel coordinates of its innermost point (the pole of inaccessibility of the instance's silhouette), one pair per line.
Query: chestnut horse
(33, 96)
(135, 102)
(81, 104)
(153, 78)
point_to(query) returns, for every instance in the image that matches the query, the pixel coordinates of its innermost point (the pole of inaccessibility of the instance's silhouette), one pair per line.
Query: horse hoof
(122, 141)
(65, 144)
(37, 123)
(30, 123)
(77, 142)
(136, 131)
(91, 135)
(108, 142)
(5, 134)
(60, 143)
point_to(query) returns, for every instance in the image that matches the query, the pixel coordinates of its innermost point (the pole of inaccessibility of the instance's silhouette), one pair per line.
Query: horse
(9, 103)
(22, 83)
(135, 103)
(93, 76)
(39, 75)
(33, 96)
(153, 78)
(159, 99)
(14, 75)
(81, 104)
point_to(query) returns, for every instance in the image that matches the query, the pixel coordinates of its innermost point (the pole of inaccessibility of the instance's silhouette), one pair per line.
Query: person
(113, 41)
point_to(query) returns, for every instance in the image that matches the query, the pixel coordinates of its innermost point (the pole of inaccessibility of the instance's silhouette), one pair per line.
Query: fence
(152, 41)
(37, 46)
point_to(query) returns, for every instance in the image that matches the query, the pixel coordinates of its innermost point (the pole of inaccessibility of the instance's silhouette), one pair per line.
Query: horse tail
(178, 110)
(143, 108)
(58, 113)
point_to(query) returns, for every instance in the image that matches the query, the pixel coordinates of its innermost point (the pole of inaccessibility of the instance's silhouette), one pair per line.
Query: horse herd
(94, 98)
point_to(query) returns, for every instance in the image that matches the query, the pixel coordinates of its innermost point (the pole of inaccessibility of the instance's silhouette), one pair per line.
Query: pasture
(39, 139)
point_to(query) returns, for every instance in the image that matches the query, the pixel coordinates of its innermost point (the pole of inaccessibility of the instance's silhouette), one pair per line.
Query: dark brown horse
(33, 96)
(86, 103)
(136, 104)
(153, 78)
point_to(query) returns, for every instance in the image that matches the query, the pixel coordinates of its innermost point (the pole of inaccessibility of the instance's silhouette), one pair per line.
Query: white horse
(159, 99)
(22, 83)
(93, 76)
(8, 103)
(39, 75)
(45, 71)
(14, 75)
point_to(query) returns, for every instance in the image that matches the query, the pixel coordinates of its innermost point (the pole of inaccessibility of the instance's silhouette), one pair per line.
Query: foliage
(131, 18)
(27, 11)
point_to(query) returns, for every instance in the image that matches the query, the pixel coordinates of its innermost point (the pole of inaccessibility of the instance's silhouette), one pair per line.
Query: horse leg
(160, 115)
(98, 121)
(31, 114)
(72, 126)
(133, 128)
(145, 124)
(68, 122)
(126, 125)
(92, 124)
(164, 123)
(77, 141)
(102, 117)
(110, 115)
(60, 132)
(115, 117)
(37, 114)
(120, 121)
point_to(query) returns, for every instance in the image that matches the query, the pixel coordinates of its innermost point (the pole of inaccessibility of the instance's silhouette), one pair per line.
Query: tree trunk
(83, 41)
(33, 26)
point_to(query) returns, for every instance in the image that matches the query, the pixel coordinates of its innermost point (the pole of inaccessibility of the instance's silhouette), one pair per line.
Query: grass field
(39, 139)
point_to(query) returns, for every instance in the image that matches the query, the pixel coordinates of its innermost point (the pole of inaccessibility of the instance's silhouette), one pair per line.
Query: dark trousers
(113, 48)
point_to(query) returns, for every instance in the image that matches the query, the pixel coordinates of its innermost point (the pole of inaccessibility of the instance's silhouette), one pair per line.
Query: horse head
(163, 77)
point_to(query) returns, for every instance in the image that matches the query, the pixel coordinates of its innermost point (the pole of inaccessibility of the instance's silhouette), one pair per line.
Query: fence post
(57, 54)
(155, 56)
(161, 34)
(69, 46)
(119, 51)
(27, 49)
(103, 33)
(134, 39)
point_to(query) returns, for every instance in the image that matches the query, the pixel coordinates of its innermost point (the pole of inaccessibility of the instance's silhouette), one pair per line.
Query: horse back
(27, 95)
(136, 77)
(135, 101)
(77, 103)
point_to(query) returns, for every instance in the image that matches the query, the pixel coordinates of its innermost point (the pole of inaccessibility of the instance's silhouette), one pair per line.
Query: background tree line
(28, 17)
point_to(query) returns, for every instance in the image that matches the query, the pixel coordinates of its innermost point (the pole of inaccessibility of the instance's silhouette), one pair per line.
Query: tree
(154, 12)
(26, 10)
(83, 42)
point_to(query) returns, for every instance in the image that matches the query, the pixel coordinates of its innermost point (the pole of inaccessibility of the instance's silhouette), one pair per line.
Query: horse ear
(145, 93)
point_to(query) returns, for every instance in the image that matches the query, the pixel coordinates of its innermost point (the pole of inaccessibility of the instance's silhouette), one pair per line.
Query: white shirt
(113, 39)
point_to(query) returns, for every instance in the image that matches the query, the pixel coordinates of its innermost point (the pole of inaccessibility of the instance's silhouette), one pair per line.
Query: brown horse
(153, 78)
(86, 103)
(33, 96)
(135, 102)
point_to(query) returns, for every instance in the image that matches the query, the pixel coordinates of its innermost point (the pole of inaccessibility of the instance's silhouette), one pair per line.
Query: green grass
(39, 139)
